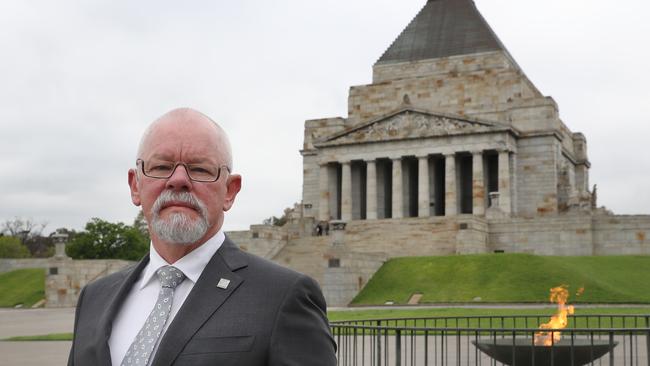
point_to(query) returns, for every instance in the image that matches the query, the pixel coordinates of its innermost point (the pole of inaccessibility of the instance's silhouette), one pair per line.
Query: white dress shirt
(144, 293)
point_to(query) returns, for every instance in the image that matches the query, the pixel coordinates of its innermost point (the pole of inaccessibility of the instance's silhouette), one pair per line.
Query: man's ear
(133, 185)
(233, 185)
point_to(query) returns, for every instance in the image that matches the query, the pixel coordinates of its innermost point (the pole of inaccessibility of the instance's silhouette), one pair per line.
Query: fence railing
(604, 340)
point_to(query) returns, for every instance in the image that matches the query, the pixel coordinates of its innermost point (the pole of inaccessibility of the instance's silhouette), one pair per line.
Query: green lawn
(22, 286)
(45, 337)
(509, 278)
(362, 314)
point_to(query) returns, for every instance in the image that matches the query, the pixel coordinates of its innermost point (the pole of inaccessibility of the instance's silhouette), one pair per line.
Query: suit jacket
(268, 315)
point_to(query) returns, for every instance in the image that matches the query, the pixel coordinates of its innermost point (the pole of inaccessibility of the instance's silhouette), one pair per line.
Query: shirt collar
(192, 264)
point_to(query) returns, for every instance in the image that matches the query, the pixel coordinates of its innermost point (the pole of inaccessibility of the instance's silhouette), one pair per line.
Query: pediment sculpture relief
(409, 125)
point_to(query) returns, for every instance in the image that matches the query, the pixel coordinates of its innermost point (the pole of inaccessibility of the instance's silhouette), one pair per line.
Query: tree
(11, 247)
(29, 233)
(140, 223)
(22, 228)
(40, 246)
(105, 240)
(278, 221)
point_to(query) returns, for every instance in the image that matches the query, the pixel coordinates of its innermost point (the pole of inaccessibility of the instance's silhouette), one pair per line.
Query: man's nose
(180, 179)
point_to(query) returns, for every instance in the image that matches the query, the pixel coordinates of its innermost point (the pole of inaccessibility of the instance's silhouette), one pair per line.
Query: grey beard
(179, 228)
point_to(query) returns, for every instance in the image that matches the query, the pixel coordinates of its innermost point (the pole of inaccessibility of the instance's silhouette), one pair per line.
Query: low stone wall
(552, 235)
(343, 282)
(418, 236)
(66, 277)
(10, 264)
(262, 240)
(572, 234)
(622, 234)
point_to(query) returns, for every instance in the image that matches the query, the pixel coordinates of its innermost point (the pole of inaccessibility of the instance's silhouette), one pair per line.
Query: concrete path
(34, 353)
(20, 322)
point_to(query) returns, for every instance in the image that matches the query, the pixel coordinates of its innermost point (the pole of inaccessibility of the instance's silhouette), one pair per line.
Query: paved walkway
(19, 322)
(34, 353)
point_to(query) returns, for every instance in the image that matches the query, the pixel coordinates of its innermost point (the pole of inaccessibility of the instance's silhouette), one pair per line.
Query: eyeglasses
(161, 169)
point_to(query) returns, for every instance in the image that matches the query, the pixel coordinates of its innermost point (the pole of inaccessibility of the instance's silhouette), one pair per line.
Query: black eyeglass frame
(140, 164)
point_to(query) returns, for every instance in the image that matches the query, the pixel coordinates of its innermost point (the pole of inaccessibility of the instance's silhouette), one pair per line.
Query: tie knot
(170, 276)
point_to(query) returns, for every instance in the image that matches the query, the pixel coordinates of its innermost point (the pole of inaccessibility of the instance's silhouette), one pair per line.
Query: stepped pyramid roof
(443, 28)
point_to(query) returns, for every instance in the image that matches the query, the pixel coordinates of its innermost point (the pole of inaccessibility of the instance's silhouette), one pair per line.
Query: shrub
(11, 247)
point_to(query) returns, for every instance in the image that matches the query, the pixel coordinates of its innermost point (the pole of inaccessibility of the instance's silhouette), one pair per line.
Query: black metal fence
(605, 340)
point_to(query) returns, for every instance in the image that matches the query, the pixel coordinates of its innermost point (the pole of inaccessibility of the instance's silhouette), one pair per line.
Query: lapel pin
(223, 283)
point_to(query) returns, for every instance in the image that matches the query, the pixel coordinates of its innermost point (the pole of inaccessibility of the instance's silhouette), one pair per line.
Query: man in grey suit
(196, 299)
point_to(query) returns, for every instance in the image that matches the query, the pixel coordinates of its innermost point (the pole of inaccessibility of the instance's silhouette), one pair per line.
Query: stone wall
(621, 234)
(66, 277)
(343, 282)
(536, 176)
(310, 186)
(10, 264)
(262, 240)
(553, 235)
(461, 85)
(572, 234)
(309, 255)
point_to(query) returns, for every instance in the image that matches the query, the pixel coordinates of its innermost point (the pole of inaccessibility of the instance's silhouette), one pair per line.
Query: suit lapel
(204, 299)
(120, 289)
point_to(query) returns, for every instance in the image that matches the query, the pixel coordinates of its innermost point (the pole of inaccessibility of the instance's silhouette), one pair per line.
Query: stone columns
(371, 190)
(451, 204)
(346, 191)
(398, 192)
(478, 184)
(324, 212)
(505, 202)
(423, 186)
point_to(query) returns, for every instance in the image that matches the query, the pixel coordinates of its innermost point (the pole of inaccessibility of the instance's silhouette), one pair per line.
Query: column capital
(422, 156)
(449, 154)
(503, 150)
(370, 160)
(345, 162)
(396, 158)
(476, 152)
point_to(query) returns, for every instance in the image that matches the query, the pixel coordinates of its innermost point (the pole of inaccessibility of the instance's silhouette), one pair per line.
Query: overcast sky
(80, 81)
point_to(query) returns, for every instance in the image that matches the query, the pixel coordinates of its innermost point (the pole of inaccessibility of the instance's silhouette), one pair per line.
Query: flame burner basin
(584, 351)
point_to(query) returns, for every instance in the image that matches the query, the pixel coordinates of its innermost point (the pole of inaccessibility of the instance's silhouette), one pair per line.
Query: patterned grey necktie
(140, 350)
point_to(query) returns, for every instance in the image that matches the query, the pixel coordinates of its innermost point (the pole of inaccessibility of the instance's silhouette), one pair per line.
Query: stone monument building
(450, 150)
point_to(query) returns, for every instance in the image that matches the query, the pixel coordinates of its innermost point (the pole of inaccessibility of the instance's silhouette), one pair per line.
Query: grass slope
(387, 313)
(44, 337)
(509, 278)
(22, 286)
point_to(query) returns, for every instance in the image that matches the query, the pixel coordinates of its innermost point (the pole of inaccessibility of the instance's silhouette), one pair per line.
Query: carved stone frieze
(408, 124)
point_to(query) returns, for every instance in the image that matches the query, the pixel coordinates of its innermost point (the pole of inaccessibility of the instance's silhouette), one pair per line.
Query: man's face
(178, 203)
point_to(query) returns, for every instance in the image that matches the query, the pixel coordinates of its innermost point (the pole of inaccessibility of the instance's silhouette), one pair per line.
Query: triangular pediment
(411, 124)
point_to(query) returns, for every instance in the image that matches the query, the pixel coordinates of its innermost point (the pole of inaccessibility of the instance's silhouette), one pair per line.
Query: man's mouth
(179, 204)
